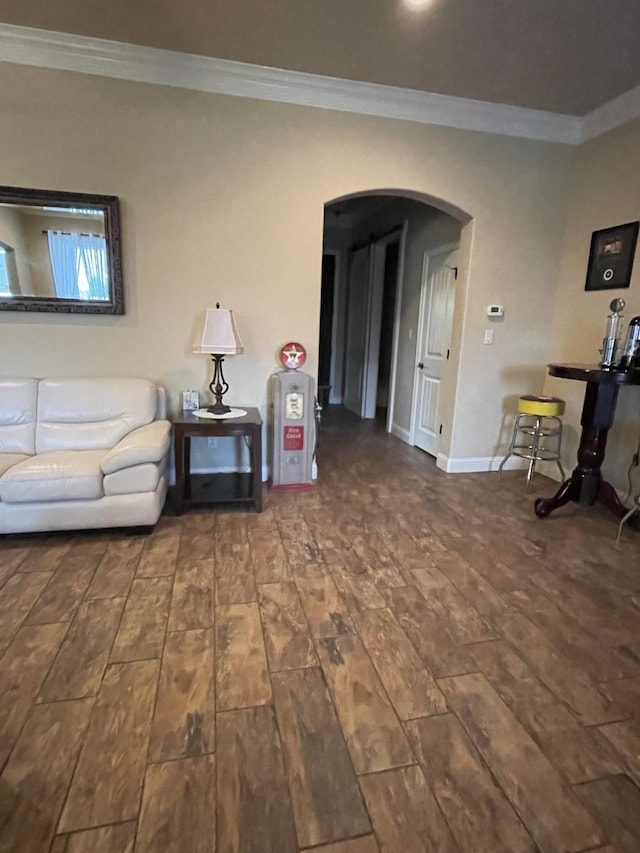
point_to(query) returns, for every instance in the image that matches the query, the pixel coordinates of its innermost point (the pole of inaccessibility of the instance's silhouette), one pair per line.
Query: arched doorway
(374, 249)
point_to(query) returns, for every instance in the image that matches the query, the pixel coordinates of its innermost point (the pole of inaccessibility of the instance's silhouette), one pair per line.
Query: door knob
(421, 365)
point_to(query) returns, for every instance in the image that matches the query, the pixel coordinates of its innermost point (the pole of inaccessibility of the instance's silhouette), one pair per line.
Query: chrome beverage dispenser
(612, 341)
(631, 352)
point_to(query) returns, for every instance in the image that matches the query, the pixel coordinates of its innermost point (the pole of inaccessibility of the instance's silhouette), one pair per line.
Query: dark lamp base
(219, 408)
(218, 387)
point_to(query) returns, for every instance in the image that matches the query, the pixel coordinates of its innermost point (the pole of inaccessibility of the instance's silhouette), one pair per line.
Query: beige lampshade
(219, 334)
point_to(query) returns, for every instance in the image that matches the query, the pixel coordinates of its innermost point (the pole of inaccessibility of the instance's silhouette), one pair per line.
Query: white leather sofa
(81, 453)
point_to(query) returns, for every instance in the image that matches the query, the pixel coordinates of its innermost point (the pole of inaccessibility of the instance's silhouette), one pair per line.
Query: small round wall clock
(293, 355)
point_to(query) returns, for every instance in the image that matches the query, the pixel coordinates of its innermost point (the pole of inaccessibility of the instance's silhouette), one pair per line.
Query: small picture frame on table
(190, 401)
(611, 257)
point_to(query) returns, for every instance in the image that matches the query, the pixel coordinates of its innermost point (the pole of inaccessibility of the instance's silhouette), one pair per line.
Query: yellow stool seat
(537, 432)
(530, 404)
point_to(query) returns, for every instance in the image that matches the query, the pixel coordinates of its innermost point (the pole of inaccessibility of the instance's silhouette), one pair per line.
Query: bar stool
(537, 432)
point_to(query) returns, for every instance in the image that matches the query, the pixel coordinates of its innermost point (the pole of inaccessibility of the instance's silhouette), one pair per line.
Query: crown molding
(611, 115)
(62, 51)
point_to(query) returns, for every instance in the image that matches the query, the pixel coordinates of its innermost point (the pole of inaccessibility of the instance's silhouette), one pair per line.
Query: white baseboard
(476, 464)
(221, 469)
(401, 433)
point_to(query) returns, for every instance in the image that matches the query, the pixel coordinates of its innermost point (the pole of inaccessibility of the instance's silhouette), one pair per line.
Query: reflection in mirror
(60, 252)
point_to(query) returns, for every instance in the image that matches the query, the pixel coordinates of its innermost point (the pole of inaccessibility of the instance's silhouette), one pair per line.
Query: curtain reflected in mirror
(59, 252)
(78, 265)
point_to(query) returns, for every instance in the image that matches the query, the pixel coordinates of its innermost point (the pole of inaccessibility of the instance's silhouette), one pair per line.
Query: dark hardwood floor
(398, 661)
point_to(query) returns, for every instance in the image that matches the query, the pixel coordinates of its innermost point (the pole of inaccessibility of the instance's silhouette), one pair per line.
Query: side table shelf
(211, 489)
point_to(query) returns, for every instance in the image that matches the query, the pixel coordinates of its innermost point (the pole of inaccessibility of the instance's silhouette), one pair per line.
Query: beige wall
(12, 233)
(36, 249)
(604, 191)
(222, 200)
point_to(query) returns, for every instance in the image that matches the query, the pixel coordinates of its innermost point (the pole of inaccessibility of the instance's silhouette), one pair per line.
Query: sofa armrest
(149, 443)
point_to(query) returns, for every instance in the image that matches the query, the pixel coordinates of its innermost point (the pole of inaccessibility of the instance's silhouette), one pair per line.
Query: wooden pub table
(208, 489)
(586, 484)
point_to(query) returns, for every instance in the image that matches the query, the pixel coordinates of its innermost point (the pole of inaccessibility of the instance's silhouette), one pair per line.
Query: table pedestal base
(580, 490)
(586, 485)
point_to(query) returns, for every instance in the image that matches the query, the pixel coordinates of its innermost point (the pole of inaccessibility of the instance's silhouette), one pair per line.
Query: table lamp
(219, 337)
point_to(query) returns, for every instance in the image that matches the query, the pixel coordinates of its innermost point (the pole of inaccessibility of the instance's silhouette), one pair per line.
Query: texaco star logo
(293, 355)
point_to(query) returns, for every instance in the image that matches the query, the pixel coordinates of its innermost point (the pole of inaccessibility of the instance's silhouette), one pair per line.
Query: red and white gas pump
(292, 423)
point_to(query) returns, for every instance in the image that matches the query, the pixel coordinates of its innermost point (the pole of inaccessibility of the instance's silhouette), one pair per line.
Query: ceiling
(565, 56)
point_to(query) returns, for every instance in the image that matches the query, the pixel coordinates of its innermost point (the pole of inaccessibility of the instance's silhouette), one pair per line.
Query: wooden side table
(239, 487)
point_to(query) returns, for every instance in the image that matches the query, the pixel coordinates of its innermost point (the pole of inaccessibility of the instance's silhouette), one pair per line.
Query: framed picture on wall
(611, 257)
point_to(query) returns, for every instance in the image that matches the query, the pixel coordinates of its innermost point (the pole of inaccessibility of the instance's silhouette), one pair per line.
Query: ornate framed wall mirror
(60, 251)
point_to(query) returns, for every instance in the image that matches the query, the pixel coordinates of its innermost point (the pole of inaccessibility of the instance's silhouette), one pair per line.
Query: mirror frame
(109, 205)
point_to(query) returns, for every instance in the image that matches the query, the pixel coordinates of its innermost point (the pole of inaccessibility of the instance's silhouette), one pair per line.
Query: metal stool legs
(510, 450)
(532, 435)
(535, 442)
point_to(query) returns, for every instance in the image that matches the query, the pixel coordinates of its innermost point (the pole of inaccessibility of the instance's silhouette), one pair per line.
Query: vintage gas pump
(292, 438)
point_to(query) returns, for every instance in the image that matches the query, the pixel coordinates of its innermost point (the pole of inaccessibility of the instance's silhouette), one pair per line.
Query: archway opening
(375, 269)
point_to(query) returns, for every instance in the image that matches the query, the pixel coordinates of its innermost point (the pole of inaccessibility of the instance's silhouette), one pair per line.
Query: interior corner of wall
(442, 462)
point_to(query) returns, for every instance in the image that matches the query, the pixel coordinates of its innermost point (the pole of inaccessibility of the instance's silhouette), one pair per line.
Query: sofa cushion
(60, 476)
(8, 460)
(18, 415)
(150, 443)
(91, 414)
(130, 481)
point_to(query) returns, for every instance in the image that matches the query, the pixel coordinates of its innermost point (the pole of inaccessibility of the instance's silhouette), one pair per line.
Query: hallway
(400, 660)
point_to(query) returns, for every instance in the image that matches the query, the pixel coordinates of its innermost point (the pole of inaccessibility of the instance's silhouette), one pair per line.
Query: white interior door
(356, 330)
(434, 338)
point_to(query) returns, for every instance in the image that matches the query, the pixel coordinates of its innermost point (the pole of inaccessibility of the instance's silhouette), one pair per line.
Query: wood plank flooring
(399, 661)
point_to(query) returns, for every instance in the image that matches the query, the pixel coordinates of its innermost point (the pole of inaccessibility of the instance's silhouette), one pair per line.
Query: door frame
(395, 342)
(374, 321)
(445, 248)
(361, 362)
(335, 375)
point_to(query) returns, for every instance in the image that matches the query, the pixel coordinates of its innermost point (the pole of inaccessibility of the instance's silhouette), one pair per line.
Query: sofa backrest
(18, 415)
(91, 414)
(161, 407)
